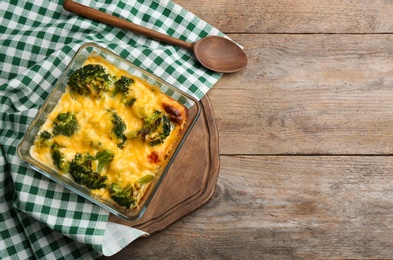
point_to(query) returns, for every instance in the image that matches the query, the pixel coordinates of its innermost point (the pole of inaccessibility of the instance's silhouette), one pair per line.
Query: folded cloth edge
(113, 242)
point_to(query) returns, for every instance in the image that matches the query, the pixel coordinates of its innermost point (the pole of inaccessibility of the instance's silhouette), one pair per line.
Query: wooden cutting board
(191, 180)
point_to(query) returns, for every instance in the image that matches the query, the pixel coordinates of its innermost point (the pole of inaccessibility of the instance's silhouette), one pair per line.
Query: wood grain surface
(295, 16)
(285, 207)
(308, 94)
(305, 137)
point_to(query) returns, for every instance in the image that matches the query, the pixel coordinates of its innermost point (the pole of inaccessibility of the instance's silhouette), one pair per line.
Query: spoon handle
(108, 19)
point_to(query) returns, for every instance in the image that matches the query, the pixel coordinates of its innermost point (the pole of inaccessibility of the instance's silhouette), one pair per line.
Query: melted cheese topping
(137, 158)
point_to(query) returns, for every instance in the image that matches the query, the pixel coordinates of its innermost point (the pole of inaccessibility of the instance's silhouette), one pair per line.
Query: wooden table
(305, 136)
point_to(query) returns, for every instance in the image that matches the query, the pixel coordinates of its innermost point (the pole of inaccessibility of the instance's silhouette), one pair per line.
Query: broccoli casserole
(110, 132)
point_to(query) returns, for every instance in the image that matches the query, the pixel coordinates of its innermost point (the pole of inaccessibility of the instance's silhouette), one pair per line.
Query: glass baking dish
(77, 61)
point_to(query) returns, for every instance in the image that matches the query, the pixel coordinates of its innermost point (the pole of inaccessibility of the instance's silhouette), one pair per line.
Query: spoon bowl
(220, 54)
(216, 53)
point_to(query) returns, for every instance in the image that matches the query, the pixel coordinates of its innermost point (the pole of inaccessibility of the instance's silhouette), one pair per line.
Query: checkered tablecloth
(39, 219)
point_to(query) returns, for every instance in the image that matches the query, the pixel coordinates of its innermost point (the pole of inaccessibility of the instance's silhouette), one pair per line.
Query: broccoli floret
(90, 79)
(156, 129)
(122, 196)
(59, 158)
(65, 124)
(44, 139)
(118, 128)
(81, 169)
(122, 86)
(166, 127)
(129, 101)
(151, 124)
(166, 130)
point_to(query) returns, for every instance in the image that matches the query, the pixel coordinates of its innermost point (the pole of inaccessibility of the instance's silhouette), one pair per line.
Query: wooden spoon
(214, 52)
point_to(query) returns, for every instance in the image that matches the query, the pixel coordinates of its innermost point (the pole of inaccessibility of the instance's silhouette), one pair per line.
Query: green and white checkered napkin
(40, 219)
